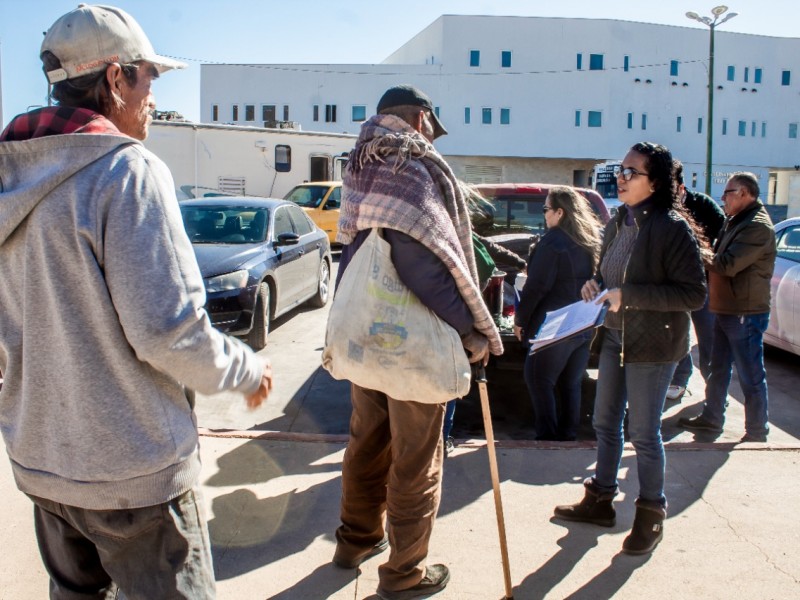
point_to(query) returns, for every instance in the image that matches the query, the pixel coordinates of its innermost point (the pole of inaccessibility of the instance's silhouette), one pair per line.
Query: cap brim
(438, 128)
(163, 64)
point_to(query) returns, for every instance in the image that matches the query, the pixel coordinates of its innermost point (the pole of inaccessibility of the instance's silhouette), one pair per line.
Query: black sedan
(259, 258)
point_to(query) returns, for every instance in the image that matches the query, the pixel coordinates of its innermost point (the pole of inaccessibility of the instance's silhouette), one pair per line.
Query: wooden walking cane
(498, 503)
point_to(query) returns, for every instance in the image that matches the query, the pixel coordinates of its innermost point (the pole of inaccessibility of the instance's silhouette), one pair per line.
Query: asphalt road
(307, 400)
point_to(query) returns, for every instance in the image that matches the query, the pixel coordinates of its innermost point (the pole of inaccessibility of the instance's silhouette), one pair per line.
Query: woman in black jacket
(651, 265)
(559, 265)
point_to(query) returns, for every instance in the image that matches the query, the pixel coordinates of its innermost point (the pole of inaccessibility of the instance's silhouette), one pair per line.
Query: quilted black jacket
(664, 280)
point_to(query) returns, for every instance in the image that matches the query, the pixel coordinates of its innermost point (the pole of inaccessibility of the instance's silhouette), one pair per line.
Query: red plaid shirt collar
(56, 120)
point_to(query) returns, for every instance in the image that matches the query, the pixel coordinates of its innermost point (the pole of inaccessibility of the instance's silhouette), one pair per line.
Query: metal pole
(710, 124)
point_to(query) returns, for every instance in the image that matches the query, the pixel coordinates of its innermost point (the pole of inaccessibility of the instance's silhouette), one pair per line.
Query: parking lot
(306, 400)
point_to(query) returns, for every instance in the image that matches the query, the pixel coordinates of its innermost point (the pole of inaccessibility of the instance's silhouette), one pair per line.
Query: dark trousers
(156, 552)
(392, 467)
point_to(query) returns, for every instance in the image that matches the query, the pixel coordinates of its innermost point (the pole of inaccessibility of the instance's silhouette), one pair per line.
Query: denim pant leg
(683, 371)
(541, 373)
(609, 411)
(745, 337)
(720, 377)
(570, 386)
(703, 321)
(647, 384)
(449, 418)
(160, 551)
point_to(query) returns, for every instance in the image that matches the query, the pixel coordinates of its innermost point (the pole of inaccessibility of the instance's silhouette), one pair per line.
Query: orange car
(321, 201)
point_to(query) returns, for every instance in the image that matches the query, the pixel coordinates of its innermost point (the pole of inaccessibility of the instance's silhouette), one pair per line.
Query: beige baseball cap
(91, 37)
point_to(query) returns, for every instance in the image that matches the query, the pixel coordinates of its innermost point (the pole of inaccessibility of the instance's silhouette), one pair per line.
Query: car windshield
(519, 214)
(307, 196)
(225, 224)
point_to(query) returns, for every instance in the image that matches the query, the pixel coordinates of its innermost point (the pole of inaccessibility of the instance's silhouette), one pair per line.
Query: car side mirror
(287, 239)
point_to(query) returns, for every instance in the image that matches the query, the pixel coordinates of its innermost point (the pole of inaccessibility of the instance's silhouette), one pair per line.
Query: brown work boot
(596, 507)
(435, 580)
(351, 562)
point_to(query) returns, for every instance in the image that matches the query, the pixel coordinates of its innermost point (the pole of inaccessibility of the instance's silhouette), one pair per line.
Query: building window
(486, 118)
(746, 74)
(595, 62)
(731, 73)
(724, 126)
(644, 120)
(577, 118)
(579, 63)
(467, 115)
(757, 75)
(505, 59)
(786, 77)
(753, 129)
(285, 112)
(678, 124)
(626, 63)
(359, 113)
(283, 158)
(673, 68)
(630, 120)
(763, 129)
(249, 112)
(474, 58)
(595, 119)
(699, 124)
(793, 131)
(235, 112)
(742, 128)
(436, 111)
(215, 112)
(330, 113)
(268, 114)
(505, 116)
(316, 112)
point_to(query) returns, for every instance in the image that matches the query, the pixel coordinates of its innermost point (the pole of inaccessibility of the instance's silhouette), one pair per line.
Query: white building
(544, 99)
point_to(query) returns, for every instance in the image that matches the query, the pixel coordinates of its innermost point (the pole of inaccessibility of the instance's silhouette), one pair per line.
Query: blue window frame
(486, 116)
(757, 75)
(742, 128)
(630, 120)
(786, 77)
(793, 131)
(626, 63)
(505, 116)
(763, 129)
(746, 74)
(699, 124)
(753, 129)
(678, 124)
(724, 126)
(467, 115)
(644, 120)
(579, 62)
(505, 59)
(595, 62)
(731, 73)
(595, 118)
(577, 118)
(474, 58)
(673, 68)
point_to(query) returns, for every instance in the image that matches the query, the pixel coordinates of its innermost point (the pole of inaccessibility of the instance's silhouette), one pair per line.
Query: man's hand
(477, 346)
(255, 399)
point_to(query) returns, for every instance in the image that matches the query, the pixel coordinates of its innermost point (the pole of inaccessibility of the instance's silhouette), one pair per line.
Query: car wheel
(257, 338)
(320, 299)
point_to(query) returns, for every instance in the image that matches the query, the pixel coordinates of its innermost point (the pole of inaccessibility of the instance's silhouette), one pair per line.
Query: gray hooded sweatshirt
(102, 325)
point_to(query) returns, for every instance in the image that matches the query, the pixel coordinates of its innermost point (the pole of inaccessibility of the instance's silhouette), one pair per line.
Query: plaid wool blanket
(395, 179)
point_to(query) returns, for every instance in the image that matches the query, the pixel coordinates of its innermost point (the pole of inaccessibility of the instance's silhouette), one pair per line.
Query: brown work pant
(393, 464)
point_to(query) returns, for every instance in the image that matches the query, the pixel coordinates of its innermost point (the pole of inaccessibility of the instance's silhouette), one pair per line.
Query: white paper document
(567, 321)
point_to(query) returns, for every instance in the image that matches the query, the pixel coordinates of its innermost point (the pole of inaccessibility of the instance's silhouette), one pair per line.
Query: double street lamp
(717, 11)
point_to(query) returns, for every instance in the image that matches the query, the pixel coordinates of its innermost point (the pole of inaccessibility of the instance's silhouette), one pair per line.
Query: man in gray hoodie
(103, 335)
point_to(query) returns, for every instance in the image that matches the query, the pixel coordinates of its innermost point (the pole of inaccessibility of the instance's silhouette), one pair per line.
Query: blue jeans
(643, 388)
(739, 339)
(160, 551)
(560, 366)
(703, 320)
(449, 417)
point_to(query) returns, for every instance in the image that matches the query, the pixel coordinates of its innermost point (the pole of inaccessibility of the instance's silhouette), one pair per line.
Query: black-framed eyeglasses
(726, 192)
(546, 208)
(627, 173)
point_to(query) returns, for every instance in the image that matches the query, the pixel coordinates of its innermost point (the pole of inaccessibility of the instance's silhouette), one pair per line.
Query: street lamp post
(717, 11)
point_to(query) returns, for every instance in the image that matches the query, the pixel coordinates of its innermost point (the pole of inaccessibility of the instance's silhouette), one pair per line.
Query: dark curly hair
(663, 176)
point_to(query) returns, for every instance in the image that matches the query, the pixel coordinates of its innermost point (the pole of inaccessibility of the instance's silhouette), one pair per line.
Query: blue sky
(314, 31)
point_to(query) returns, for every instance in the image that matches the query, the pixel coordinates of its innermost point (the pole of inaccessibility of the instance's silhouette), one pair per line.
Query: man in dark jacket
(739, 296)
(709, 216)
